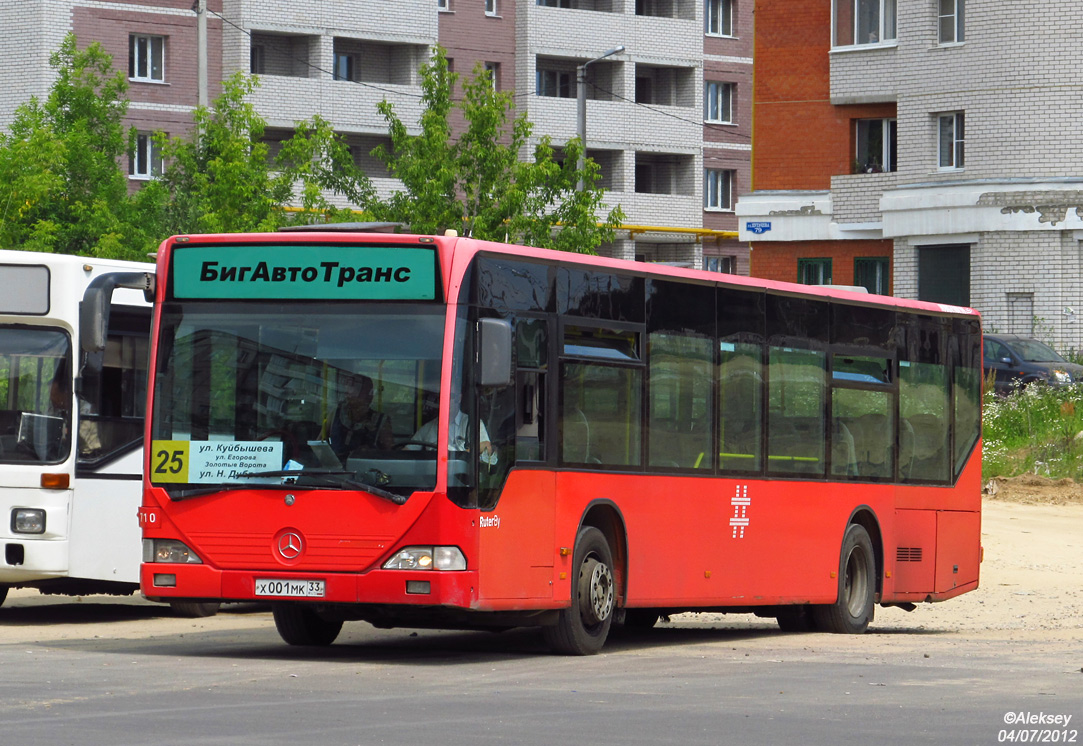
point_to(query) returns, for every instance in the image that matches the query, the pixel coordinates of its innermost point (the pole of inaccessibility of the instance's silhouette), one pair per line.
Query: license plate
(290, 588)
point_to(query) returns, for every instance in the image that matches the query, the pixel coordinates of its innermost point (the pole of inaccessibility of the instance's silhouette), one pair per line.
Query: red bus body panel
(688, 542)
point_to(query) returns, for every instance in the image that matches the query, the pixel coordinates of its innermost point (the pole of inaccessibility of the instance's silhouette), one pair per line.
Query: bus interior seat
(873, 444)
(906, 449)
(576, 445)
(843, 454)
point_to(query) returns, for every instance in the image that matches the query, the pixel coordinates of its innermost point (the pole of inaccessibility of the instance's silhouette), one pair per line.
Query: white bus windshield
(307, 394)
(35, 395)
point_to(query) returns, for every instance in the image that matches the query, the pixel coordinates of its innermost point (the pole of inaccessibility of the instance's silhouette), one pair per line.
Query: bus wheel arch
(606, 517)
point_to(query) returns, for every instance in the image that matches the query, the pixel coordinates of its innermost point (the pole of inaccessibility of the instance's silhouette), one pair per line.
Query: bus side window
(740, 406)
(923, 407)
(795, 418)
(111, 418)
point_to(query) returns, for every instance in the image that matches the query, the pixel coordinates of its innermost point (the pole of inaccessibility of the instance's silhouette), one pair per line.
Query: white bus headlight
(427, 558)
(169, 551)
(28, 521)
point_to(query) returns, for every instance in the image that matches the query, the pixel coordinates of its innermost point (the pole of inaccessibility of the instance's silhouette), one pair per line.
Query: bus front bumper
(166, 582)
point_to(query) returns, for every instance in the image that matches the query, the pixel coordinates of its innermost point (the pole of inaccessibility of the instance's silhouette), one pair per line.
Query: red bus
(441, 432)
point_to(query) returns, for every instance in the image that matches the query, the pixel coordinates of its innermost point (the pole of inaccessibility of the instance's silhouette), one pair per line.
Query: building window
(876, 145)
(864, 22)
(724, 264)
(555, 83)
(492, 69)
(718, 189)
(559, 3)
(814, 271)
(871, 273)
(950, 140)
(146, 58)
(257, 59)
(718, 102)
(145, 162)
(490, 7)
(344, 66)
(443, 4)
(951, 21)
(718, 17)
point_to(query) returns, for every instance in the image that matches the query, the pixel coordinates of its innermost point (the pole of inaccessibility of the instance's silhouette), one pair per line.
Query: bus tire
(194, 609)
(797, 618)
(582, 628)
(301, 625)
(856, 603)
(3, 594)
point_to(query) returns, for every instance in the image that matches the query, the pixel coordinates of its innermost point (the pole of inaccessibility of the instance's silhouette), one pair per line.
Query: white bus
(71, 434)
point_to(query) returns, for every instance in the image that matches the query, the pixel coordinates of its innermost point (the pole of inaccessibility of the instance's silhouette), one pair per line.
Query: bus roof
(455, 245)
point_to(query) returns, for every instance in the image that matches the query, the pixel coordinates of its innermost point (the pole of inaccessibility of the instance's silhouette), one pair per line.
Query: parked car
(1013, 361)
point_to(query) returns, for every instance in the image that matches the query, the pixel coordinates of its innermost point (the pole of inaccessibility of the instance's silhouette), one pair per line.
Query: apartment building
(925, 148)
(668, 117)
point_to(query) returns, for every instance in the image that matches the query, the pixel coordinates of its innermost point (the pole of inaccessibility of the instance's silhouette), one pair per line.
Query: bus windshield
(36, 395)
(259, 394)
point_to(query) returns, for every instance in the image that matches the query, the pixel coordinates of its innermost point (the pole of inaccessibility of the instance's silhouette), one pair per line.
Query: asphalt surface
(117, 672)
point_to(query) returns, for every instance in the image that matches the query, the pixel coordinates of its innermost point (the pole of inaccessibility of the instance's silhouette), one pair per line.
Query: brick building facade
(668, 120)
(941, 136)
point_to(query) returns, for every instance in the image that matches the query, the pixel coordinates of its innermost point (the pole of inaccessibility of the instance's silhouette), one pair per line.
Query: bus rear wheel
(856, 604)
(582, 628)
(301, 625)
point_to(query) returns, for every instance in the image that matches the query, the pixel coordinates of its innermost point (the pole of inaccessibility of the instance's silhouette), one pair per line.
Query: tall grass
(1037, 430)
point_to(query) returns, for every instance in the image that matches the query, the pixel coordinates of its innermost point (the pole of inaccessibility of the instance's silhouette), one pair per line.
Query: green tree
(478, 184)
(221, 178)
(58, 164)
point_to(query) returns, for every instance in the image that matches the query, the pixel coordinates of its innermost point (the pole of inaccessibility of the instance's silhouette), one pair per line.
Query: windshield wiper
(322, 477)
(328, 477)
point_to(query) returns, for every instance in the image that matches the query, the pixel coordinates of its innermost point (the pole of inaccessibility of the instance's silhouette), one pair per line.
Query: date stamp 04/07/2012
(1037, 727)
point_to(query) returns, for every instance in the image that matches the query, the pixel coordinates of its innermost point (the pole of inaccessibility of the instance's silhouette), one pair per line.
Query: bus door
(109, 456)
(516, 492)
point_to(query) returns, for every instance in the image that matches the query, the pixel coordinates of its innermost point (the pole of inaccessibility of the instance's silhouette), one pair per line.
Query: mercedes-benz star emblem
(289, 545)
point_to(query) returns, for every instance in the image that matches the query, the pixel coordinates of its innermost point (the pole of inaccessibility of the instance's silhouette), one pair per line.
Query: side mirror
(94, 309)
(494, 352)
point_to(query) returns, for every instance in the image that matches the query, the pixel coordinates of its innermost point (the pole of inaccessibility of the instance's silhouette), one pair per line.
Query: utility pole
(581, 96)
(201, 53)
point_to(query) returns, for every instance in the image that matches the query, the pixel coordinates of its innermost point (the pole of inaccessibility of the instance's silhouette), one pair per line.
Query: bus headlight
(427, 558)
(169, 551)
(28, 521)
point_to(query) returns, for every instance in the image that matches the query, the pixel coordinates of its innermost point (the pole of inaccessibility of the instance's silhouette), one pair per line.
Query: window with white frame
(863, 22)
(951, 139)
(557, 83)
(718, 17)
(490, 7)
(724, 264)
(718, 102)
(876, 145)
(146, 58)
(492, 69)
(718, 189)
(443, 4)
(145, 162)
(951, 21)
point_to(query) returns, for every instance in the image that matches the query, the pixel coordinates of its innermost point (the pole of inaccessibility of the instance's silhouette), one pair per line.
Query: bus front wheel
(582, 628)
(852, 612)
(300, 625)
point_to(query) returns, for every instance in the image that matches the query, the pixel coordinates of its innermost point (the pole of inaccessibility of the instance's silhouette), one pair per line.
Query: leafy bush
(1038, 429)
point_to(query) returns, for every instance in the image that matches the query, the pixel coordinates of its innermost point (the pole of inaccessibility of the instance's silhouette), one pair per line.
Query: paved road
(116, 673)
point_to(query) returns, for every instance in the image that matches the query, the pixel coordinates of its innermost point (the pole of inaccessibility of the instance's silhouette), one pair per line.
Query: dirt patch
(1031, 489)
